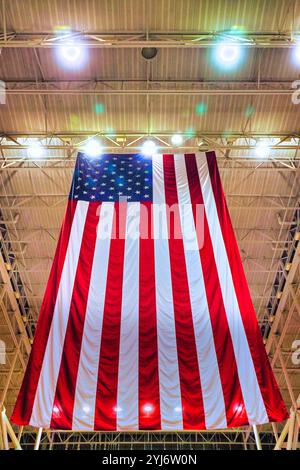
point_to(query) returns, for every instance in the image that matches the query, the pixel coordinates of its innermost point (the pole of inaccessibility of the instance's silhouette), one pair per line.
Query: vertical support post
(4, 430)
(291, 431)
(282, 435)
(11, 433)
(274, 427)
(38, 439)
(20, 433)
(257, 438)
(4, 20)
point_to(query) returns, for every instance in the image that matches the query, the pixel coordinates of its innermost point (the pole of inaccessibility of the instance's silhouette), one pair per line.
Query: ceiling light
(148, 148)
(177, 139)
(262, 149)
(93, 148)
(297, 53)
(148, 408)
(35, 150)
(71, 54)
(118, 409)
(228, 53)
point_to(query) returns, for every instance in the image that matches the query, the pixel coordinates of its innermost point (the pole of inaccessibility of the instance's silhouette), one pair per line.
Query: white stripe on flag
(169, 382)
(45, 393)
(212, 393)
(87, 378)
(254, 403)
(128, 400)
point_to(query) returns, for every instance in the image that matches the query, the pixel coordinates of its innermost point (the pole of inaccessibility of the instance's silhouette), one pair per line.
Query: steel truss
(140, 39)
(131, 87)
(235, 439)
(62, 146)
(18, 322)
(18, 327)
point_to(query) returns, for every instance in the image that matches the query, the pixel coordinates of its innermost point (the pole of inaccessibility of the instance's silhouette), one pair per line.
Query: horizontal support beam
(140, 39)
(150, 92)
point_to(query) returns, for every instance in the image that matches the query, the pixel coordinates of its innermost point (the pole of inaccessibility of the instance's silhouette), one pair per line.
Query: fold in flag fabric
(147, 320)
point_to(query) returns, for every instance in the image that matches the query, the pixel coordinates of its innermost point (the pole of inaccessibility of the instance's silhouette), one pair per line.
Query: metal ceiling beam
(140, 39)
(242, 91)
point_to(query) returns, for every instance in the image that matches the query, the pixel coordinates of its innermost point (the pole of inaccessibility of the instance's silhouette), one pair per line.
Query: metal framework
(139, 39)
(277, 300)
(20, 323)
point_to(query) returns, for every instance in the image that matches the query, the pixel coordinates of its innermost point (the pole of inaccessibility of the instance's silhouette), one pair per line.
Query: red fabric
(234, 403)
(23, 408)
(148, 355)
(107, 388)
(151, 382)
(66, 384)
(274, 404)
(192, 403)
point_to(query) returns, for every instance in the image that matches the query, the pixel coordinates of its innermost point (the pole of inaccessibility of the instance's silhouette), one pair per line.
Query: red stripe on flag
(66, 383)
(148, 347)
(234, 404)
(274, 404)
(107, 386)
(191, 395)
(23, 408)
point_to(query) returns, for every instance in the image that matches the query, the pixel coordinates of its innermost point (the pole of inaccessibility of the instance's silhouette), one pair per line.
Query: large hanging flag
(147, 321)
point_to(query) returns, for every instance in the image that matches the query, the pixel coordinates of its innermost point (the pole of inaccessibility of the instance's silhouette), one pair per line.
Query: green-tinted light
(249, 111)
(190, 132)
(201, 108)
(99, 108)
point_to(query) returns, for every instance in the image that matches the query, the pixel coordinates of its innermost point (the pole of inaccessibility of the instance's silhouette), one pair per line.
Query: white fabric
(45, 393)
(213, 399)
(254, 403)
(169, 384)
(85, 396)
(127, 399)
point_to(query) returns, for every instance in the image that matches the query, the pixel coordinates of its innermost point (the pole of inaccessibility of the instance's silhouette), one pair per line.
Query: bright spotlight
(262, 149)
(176, 139)
(118, 409)
(229, 54)
(297, 53)
(148, 408)
(93, 148)
(148, 148)
(35, 150)
(71, 54)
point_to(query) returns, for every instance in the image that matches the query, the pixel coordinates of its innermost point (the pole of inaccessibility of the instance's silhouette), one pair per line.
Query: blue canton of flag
(112, 178)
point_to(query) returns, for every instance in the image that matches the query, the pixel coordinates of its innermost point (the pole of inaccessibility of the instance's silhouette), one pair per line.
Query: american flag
(141, 328)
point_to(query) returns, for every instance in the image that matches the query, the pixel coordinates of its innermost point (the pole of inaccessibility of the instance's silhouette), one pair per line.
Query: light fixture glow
(297, 53)
(71, 54)
(35, 150)
(177, 139)
(262, 149)
(148, 408)
(117, 409)
(238, 408)
(93, 148)
(148, 148)
(228, 53)
(86, 409)
(178, 409)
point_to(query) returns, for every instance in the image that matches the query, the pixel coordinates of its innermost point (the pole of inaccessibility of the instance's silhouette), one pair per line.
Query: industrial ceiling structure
(121, 98)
